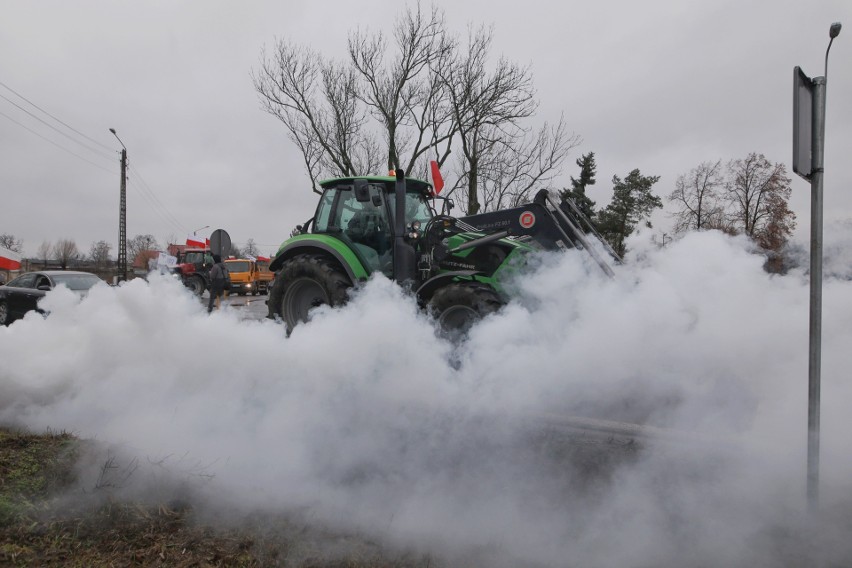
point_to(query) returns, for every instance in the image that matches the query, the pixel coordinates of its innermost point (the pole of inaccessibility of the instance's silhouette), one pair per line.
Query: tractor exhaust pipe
(404, 261)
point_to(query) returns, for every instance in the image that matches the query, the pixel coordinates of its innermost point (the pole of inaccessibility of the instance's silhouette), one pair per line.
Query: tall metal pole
(122, 213)
(122, 220)
(815, 327)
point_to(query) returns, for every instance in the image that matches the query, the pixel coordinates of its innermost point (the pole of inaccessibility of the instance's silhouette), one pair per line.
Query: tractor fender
(347, 260)
(425, 291)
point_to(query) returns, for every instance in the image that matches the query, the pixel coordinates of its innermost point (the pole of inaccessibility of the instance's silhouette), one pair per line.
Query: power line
(7, 87)
(162, 212)
(170, 219)
(144, 190)
(100, 167)
(157, 201)
(95, 150)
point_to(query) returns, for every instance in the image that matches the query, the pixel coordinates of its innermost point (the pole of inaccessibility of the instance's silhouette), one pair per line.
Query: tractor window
(416, 207)
(363, 223)
(324, 211)
(194, 257)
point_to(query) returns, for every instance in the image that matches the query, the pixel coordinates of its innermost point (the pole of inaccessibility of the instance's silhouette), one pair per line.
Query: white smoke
(367, 420)
(837, 251)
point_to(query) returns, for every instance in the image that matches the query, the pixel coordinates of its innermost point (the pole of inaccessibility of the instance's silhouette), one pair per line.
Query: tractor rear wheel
(459, 305)
(306, 282)
(197, 285)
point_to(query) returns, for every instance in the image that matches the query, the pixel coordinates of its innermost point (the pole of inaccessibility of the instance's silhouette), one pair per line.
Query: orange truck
(264, 275)
(249, 276)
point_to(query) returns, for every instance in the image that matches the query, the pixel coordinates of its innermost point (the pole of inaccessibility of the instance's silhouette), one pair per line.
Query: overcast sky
(658, 85)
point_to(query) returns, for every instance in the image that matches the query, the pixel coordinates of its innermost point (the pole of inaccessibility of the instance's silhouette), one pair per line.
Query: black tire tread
(318, 267)
(481, 297)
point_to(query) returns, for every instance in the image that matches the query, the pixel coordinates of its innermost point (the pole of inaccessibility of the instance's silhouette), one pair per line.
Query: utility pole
(122, 214)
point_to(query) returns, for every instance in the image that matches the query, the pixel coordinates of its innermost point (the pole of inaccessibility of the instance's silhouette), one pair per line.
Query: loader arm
(551, 225)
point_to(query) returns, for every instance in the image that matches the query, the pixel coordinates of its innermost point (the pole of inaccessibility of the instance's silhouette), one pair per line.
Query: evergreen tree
(577, 193)
(632, 202)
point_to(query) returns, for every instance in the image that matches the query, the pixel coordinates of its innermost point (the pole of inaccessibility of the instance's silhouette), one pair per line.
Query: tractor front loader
(455, 266)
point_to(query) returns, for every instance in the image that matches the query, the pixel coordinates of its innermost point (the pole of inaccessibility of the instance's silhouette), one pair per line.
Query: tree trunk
(472, 190)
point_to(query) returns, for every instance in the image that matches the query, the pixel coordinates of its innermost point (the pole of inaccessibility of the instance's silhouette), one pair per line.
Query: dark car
(22, 294)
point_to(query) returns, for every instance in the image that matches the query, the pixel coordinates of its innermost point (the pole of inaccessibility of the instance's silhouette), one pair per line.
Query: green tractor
(455, 266)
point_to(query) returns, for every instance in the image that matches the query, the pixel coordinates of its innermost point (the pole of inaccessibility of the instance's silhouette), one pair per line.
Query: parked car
(21, 295)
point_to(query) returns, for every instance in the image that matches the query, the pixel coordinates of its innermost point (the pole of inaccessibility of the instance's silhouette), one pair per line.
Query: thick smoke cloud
(367, 420)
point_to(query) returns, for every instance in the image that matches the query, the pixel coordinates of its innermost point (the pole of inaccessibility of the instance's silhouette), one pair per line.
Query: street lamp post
(809, 99)
(200, 228)
(122, 213)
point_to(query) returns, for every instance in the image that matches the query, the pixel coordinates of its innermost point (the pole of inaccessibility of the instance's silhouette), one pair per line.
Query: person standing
(219, 282)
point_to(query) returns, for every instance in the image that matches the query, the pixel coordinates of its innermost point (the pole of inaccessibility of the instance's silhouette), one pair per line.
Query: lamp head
(112, 130)
(834, 30)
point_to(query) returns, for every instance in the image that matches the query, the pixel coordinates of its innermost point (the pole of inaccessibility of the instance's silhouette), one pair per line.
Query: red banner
(437, 179)
(196, 242)
(9, 260)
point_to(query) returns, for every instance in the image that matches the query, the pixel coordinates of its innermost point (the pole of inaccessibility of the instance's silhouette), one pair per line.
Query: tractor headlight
(414, 230)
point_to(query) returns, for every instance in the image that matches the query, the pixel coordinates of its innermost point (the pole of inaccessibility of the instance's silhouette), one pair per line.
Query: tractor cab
(192, 261)
(362, 213)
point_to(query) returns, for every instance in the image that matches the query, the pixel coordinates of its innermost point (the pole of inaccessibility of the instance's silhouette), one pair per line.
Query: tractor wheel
(305, 282)
(459, 305)
(5, 316)
(197, 285)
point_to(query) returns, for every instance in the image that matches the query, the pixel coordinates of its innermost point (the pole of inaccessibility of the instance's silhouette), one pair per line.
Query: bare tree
(404, 94)
(251, 248)
(407, 100)
(140, 244)
(502, 159)
(99, 253)
(65, 250)
(327, 106)
(780, 219)
(44, 250)
(508, 177)
(697, 197)
(757, 192)
(8, 241)
(315, 100)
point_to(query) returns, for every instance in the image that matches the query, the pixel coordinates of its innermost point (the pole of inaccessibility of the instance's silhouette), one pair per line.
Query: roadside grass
(32, 467)
(41, 526)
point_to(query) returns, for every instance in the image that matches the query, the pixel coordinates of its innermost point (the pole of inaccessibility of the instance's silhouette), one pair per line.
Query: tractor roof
(411, 183)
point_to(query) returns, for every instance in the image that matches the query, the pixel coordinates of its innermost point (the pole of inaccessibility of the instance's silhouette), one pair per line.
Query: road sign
(803, 103)
(220, 242)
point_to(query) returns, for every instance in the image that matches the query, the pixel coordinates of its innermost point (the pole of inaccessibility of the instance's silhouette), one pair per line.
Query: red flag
(9, 260)
(437, 180)
(195, 242)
